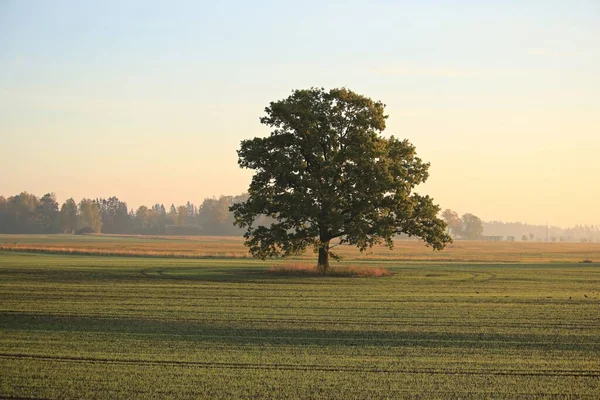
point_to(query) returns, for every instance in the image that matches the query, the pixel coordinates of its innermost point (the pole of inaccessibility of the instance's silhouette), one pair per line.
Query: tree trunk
(323, 264)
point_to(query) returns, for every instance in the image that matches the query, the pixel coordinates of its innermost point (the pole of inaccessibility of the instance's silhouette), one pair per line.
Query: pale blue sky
(148, 101)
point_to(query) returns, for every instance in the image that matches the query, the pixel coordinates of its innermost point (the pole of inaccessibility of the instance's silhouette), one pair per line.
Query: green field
(75, 326)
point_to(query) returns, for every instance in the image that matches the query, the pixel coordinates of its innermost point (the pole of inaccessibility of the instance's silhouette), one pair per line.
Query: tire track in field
(300, 367)
(161, 273)
(478, 276)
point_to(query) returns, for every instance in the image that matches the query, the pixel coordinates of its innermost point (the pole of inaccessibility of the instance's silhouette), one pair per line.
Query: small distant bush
(586, 261)
(84, 231)
(341, 271)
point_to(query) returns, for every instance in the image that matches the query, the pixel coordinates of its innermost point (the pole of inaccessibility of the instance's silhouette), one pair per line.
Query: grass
(197, 247)
(125, 327)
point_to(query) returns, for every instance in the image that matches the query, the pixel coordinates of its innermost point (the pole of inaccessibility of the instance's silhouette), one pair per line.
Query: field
(229, 247)
(91, 326)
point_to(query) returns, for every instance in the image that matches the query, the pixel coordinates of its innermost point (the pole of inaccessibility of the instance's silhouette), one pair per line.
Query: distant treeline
(26, 213)
(471, 227)
(521, 231)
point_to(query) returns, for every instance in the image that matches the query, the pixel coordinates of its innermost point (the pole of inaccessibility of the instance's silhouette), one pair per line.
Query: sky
(149, 100)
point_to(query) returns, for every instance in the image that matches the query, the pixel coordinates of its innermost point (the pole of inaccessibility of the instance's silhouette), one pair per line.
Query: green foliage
(325, 172)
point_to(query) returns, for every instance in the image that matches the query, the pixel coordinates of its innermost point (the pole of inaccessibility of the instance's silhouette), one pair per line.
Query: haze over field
(149, 100)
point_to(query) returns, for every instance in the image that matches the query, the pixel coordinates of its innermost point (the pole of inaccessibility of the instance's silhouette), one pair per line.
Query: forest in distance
(27, 213)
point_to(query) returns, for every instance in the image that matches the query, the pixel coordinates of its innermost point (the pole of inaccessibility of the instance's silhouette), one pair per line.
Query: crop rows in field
(109, 327)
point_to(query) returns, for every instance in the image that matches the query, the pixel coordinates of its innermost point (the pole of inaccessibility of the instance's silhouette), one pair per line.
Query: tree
(4, 216)
(158, 219)
(172, 216)
(181, 215)
(191, 214)
(89, 214)
(471, 227)
(48, 213)
(68, 216)
(325, 173)
(22, 214)
(114, 215)
(215, 218)
(452, 221)
(142, 219)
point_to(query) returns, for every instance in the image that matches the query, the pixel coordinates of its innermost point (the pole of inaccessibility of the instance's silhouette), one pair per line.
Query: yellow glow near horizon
(503, 103)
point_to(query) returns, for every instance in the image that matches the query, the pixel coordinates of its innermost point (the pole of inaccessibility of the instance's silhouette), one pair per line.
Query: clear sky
(149, 100)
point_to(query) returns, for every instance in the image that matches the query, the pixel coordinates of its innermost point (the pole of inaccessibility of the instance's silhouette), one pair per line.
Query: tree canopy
(452, 221)
(325, 172)
(471, 226)
(468, 226)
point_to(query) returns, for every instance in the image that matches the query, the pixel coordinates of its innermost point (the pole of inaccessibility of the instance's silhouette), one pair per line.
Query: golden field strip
(229, 247)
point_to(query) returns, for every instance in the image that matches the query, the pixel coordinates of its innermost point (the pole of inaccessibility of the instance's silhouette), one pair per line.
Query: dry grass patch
(342, 271)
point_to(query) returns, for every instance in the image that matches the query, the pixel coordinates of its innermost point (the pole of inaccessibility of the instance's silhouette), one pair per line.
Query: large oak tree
(325, 172)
